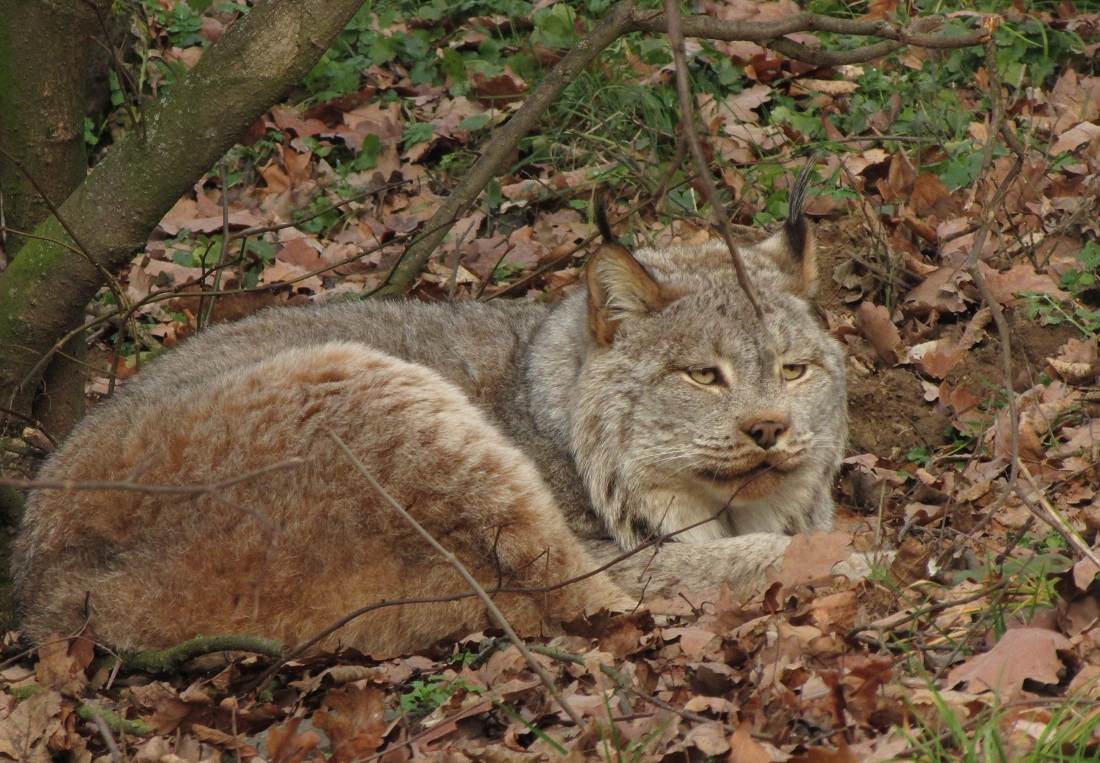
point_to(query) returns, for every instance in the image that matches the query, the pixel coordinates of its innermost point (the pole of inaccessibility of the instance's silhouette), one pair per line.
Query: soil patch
(886, 404)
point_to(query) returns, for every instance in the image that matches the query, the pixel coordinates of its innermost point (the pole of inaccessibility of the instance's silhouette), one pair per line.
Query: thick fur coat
(533, 442)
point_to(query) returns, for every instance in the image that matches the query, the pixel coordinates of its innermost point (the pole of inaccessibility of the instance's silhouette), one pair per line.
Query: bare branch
(921, 33)
(806, 54)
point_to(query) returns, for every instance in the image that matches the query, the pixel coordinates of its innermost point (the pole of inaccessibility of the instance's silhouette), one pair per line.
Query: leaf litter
(974, 610)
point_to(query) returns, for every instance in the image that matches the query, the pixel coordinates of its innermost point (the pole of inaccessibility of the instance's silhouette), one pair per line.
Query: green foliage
(1050, 311)
(947, 737)
(555, 27)
(181, 21)
(422, 697)
(1077, 282)
(920, 456)
(1083, 284)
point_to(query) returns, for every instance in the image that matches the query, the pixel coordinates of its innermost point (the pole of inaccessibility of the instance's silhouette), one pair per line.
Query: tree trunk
(44, 290)
(44, 49)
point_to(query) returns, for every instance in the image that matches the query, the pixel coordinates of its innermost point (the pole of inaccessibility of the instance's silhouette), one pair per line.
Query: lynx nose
(765, 432)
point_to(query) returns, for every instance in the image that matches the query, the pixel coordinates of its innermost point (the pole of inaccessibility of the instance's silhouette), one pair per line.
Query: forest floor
(977, 634)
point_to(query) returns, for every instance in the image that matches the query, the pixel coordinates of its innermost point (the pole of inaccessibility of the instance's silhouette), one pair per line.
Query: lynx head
(687, 405)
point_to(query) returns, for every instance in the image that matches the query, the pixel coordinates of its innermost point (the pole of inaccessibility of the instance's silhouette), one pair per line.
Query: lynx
(536, 443)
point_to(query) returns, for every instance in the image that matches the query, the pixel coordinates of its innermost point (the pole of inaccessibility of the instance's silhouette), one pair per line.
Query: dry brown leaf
(1086, 132)
(1084, 573)
(287, 745)
(62, 662)
(940, 290)
(935, 358)
(1021, 654)
(223, 740)
(873, 321)
(354, 718)
(693, 640)
(930, 198)
(25, 734)
(302, 252)
(744, 749)
(836, 612)
(1019, 278)
(805, 86)
(811, 558)
(498, 89)
(709, 739)
(742, 104)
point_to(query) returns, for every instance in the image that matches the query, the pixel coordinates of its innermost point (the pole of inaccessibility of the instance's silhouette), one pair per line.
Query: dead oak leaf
(1022, 654)
(940, 291)
(62, 662)
(287, 745)
(873, 322)
(1020, 278)
(505, 87)
(811, 558)
(744, 749)
(354, 718)
(693, 640)
(1086, 132)
(25, 734)
(936, 358)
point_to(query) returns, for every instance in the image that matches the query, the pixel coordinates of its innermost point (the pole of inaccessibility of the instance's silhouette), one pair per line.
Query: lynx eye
(704, 376)
(792, 371)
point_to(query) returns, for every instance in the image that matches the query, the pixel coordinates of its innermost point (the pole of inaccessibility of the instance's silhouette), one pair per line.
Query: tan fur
(533, 443)
(288, 553)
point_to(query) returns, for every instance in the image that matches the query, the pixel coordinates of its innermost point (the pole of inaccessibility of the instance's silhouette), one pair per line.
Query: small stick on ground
(490, 606)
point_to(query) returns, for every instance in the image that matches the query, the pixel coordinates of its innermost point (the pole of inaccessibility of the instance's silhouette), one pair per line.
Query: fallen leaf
(811, 558)
(25, 733)
(287, 745)
(744, 749)
(873, 321)
(354, 718)
(1021, 654)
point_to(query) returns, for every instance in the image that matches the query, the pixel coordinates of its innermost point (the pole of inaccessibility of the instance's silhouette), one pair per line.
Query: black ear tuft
(797, 228)
(602, 223)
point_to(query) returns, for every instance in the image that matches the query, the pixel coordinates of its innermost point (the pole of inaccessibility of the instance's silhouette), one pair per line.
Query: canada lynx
(535, 443)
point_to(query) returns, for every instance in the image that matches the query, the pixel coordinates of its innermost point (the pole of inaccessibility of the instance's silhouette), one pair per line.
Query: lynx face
(701, 406)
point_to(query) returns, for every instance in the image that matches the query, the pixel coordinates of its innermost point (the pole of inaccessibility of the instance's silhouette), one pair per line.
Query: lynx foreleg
(739, 562)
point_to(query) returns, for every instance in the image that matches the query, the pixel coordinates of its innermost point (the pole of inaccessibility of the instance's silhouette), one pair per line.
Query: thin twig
(687, 118)
(623, 682)
(204, 315)
(487, 600)
(1051, 516)
(108, 737)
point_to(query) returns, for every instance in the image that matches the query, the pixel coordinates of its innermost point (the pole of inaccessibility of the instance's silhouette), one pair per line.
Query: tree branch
(260, 57)
(923, 33)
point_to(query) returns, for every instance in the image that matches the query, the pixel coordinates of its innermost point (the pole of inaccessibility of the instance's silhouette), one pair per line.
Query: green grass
(1065, 731)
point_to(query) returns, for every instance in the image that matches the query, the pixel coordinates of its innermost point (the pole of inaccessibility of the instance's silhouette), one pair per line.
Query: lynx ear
(618, 285)
(793, 248)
